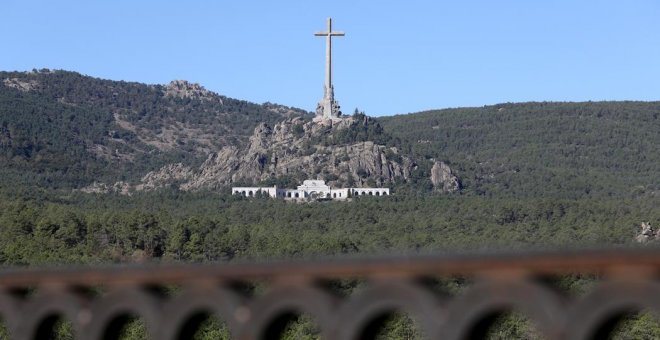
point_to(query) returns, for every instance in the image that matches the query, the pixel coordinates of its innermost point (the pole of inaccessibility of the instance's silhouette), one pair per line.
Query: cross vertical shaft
(328, 107)
(328, 56)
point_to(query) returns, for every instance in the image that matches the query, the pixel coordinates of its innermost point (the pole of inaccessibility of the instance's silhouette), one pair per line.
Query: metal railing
(93, 299)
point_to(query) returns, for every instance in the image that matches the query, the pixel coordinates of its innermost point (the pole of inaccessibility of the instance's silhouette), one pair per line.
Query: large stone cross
(328, 108)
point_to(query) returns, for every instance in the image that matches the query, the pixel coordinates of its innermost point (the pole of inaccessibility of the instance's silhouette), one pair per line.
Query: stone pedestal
(328, 108)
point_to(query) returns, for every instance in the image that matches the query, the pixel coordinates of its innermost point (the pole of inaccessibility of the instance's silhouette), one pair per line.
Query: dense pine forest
(534, 176)
(198, 227)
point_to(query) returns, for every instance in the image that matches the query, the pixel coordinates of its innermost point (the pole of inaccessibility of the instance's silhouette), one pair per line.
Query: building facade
(309, 190)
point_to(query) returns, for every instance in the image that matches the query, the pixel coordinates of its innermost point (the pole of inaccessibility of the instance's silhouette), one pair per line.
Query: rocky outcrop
(287, 150)
(647, 234)
(170, 174)
(443, 179)
(185, 89)
(20, 84)
(120, 187)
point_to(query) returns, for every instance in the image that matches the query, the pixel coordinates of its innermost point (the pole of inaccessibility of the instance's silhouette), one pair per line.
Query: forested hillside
(568, 150)
(61, 129)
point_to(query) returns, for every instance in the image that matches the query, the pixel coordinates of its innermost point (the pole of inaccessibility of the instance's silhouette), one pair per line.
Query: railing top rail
(530, 263)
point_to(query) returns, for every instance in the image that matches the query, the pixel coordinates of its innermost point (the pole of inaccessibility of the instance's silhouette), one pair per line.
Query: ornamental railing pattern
(93, 299)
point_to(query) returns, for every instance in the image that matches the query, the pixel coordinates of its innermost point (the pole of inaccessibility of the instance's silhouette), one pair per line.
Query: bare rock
(185, 89)
(165, 176)
(443, 178)
(95, 188)
(647, 234)
(20, 84)
(120, 187)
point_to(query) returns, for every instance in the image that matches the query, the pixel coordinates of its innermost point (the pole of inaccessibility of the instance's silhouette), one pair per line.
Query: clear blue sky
(397, 56)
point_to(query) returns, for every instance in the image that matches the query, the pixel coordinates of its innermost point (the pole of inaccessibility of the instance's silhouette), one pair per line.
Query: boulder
(443, 178)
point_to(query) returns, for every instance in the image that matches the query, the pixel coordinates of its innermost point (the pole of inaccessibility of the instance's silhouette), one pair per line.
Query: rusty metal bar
(538, 263)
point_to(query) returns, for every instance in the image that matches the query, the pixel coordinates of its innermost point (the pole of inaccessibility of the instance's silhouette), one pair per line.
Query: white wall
(252, 191)
(321, 192)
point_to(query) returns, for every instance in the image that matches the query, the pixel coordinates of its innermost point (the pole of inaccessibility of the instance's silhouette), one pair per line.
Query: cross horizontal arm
(325, 34)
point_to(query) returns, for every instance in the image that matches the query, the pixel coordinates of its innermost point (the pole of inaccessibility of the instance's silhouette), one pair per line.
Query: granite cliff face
(278, 152)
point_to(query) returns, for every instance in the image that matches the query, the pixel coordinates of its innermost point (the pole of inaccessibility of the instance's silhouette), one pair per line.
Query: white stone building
(309, 190)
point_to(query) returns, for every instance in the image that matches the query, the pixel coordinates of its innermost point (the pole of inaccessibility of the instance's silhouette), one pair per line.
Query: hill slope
(64, 130)
(541, 149)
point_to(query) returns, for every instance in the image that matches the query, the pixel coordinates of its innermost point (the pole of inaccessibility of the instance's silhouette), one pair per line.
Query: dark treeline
(171, 226)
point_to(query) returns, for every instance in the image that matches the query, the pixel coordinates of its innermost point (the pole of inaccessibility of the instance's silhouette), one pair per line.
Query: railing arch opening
(4, 330)
(204, 325)
(504, 324)
(391, 325)
(292, 325)
(126, 327)
(630, 324)
(53, 326)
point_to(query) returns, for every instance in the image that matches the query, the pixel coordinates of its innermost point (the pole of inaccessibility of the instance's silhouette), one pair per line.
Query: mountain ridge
(61, 130)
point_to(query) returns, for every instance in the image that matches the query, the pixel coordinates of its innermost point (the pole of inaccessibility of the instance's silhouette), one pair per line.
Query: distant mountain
(63, 130)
